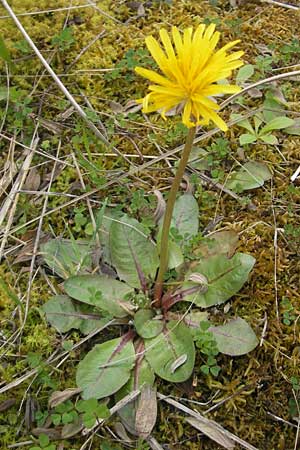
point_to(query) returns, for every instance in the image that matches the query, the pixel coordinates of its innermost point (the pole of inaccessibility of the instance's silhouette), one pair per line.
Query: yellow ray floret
(190, 69)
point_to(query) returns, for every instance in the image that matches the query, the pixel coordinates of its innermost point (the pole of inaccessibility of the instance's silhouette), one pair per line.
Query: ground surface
(255, 396)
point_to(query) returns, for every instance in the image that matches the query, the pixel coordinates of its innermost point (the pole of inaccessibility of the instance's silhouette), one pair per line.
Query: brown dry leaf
(116, 107)
(52, 433)
(7, 404)
(255, 93)
(131, 107)
(160, 207)
(71, 429)
(146, 412)
(59, 397)
(33, 180)
(52, 175)
(26, 252)
(65, 114)
(212, 432)
(121, 432)
(31, 409)
(221, 242)
(141, 11)
(50, 125)
(134, 6)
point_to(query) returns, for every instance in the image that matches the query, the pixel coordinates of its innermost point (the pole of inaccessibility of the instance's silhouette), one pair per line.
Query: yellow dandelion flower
(190, 69)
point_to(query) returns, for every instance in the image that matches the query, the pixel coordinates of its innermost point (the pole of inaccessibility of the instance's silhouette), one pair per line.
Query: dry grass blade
(10, 169)
(212, 432)
(11, 201)
(59, 397)
(153, 443)
(203, 420)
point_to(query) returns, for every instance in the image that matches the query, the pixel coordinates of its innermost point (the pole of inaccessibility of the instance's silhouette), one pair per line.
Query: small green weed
(207, 345)
(35, 361)
(288, 52)
(91, 410)
(125, 67)
(264, 64)
(82, 221)
(295, 383)
(288, 315)
(23, 47)
(292, 232)
(44, 443)
(84, 411)
(64, 40)
(261, 131)
(64, 414)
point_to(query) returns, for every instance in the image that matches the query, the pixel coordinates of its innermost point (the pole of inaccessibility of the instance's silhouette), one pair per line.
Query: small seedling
(207, 345)
(288, 315)
(64, 40)
(260, 132)
(264, 64)
(44, 443)
(295, 383)
(91, 410)
(64, 414)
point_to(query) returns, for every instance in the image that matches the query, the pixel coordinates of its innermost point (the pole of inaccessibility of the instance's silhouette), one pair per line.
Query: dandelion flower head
(191, 67)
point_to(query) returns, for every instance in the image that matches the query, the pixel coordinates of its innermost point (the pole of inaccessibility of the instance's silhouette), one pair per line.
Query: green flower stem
(164, 244)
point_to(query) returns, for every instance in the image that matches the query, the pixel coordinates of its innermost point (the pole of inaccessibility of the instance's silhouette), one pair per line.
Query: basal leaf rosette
(191, 68)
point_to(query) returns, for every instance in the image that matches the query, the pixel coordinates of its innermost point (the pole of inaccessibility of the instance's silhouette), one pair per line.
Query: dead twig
(283, 5)
(46, 11)
(259, 83)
